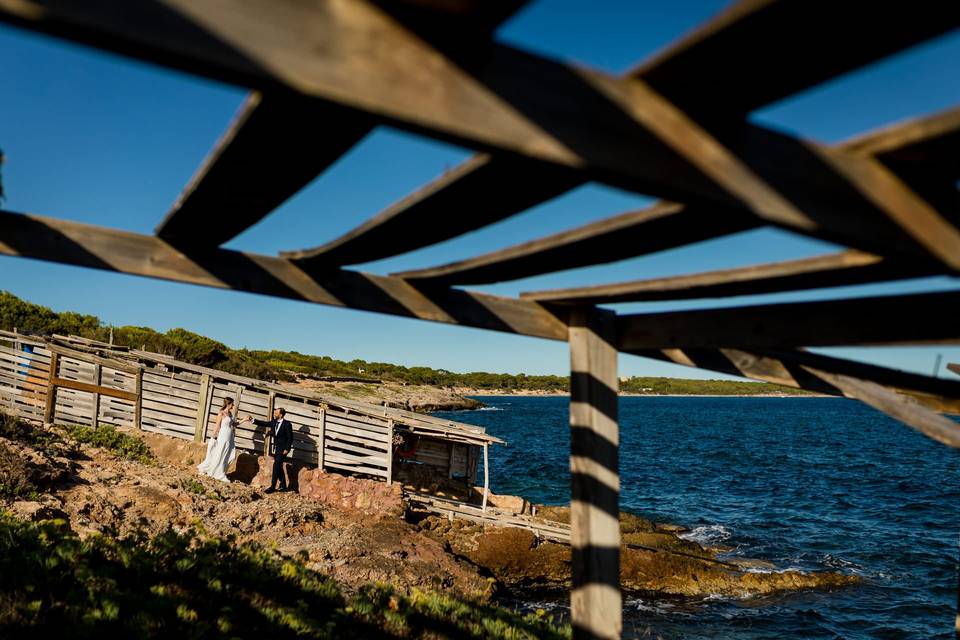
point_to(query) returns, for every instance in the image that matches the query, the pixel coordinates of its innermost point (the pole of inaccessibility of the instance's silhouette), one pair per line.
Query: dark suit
(281, 440)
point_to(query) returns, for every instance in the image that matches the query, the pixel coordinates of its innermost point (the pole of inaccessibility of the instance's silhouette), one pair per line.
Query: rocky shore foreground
(357, 531)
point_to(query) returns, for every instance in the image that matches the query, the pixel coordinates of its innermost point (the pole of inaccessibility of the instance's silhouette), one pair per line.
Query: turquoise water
(806, 483)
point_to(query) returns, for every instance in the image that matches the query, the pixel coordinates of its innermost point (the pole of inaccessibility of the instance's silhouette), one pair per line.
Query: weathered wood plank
(279, 142)
(373, 448)
(686, 73)
(113, 250)
(903, 408)
(355, 468)
(620, 131)
(275, 146)
(832, 270)
(858, 321)
(363, 436)
(595, 602)
(92, 388)
(51, 389)
(784, 367)
(664, 225)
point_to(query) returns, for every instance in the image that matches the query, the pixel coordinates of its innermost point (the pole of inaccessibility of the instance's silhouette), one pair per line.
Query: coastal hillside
(417, 388)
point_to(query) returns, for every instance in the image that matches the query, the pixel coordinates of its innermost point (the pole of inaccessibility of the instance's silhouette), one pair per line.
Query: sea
(810, 484)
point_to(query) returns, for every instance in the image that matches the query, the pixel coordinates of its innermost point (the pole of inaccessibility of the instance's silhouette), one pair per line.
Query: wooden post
(50, 410)
(486, 475)
(271, 402)
(322, 440)
(200, 426)
(138, 409)
(390, 452)
(450, 460)
(206, 411)
(596, 608)
(97, 377)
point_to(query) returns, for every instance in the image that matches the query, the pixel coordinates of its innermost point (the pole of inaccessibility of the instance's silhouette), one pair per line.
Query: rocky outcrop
(653, 559)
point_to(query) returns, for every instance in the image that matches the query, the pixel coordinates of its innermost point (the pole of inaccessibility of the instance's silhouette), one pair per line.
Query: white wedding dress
(220, 451)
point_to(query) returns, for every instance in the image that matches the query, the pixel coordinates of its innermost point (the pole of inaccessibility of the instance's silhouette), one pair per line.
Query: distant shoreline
(562, 394)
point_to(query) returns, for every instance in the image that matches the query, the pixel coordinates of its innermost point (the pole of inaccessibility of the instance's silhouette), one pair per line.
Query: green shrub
(183, 586)
(13, 428)
(109, 438)
(15, 480)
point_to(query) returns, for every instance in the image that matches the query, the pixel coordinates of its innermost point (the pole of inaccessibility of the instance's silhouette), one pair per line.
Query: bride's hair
(226, 403)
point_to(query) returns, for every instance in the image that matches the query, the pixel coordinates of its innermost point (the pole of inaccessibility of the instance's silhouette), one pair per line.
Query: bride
(220, 448)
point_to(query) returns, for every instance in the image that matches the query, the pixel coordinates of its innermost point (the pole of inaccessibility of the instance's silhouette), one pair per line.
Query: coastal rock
(370, 497)
(652, 560)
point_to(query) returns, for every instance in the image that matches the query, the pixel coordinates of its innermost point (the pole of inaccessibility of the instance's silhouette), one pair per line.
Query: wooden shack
(73, 380)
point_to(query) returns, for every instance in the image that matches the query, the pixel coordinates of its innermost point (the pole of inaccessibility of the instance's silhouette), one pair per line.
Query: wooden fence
(70, 380)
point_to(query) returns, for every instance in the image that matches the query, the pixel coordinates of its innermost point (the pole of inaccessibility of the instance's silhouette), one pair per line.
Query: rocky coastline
(358, 531)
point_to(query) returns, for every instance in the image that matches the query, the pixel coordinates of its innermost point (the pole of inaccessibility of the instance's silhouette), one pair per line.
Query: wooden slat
(275, 146)
(279, 142)
(662, 226)
(114, 250)
(619, 131)
(424, 217)
(666, 225)
(373, 448)
(335, 430)
(785, 367)
(903, 408)
(356, 468)
(803, 43)
(92, 388)
(832, 270)
(904, 319)
(686, 73)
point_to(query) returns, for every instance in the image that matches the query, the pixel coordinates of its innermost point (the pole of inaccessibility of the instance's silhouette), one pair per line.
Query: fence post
(322, 444)
(199, 429)
(50, 409)
(390, 452)
(138, 410)
(95, 414)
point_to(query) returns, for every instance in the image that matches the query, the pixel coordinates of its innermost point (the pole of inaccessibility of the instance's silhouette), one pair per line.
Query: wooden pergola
(324, 73)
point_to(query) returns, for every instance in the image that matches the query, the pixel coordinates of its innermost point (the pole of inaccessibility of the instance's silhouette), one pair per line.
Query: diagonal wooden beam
(803, 43)
(86, 245)
(832, 270)
(686, 73)
(274, 147)
(902, 319)
(638, 233)
(901, 407)
(615, 130)
(279, 142)
(820, 374)
(461, 201)
(662, 226)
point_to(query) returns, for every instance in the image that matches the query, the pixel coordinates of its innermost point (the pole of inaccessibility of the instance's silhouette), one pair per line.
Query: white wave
(490, 409)
(708, 534)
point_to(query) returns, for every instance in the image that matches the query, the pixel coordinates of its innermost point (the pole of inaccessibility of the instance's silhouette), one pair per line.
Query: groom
(281, 432)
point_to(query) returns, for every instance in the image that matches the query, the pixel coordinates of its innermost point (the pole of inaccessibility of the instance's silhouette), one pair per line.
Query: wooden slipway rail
(78, 381)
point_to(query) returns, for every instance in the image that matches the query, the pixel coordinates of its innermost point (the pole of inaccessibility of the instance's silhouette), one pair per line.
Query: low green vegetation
(15, 480)
(280, 365)
(108, 437)
(60, 437)
(184, 585)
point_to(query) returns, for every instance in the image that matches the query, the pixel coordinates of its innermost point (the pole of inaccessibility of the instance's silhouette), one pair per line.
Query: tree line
(287, 365)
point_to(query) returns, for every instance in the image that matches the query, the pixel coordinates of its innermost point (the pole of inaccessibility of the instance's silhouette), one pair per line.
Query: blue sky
(105, 140)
